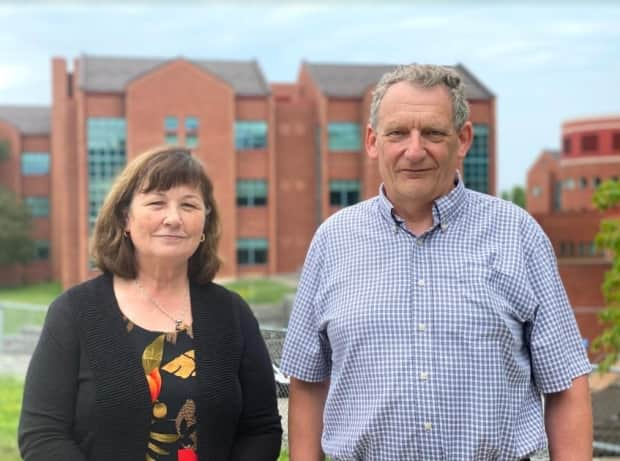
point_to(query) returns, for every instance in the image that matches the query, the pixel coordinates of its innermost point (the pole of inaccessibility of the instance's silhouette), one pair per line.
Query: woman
(152, 360)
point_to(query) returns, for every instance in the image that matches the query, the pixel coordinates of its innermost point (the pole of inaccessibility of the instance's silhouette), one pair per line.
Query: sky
(545, 64)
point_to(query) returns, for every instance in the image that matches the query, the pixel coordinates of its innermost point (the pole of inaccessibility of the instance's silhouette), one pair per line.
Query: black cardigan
(86, 396)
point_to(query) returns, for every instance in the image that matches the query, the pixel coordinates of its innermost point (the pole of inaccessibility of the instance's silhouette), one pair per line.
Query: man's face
(416, 144)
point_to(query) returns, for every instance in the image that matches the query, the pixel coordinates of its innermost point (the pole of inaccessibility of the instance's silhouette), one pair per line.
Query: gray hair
(424, 76)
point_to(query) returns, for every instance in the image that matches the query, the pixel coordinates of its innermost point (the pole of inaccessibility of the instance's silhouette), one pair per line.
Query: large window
(252, 251)
(41, 250)
(39, 206)
(251, 192)
(344, 192)
(106, 157)
(344, 136)
(250, 134)
(191, 131)
(476, 163)
(35, 163)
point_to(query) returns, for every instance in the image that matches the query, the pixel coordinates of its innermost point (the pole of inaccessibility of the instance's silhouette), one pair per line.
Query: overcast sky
(545, 64)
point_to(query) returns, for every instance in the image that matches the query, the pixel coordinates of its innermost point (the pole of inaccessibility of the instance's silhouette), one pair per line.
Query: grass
(38, 293)
(260, 291)
(10, 404)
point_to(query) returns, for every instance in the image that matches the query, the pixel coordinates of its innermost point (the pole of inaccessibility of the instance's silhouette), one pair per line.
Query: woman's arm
(259, 433)
(46, 421)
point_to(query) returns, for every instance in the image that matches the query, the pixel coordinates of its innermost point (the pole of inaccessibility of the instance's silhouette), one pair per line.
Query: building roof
(27, 119)
(353, 80)
(112, 74)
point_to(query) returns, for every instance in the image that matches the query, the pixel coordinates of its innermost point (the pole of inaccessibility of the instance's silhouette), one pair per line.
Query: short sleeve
(556, 347)
(306, 354)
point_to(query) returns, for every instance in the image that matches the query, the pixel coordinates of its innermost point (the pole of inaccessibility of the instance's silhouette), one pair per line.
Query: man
(430, 319)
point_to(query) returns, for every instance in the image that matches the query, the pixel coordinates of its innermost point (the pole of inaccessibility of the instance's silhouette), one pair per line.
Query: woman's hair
(155, 170)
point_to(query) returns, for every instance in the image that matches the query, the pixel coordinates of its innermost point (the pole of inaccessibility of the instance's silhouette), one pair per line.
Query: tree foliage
(516, 195)
(16, 246)
(607, 197)
(5, 149)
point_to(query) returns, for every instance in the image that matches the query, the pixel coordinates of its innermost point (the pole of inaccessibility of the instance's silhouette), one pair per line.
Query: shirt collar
(445, 209)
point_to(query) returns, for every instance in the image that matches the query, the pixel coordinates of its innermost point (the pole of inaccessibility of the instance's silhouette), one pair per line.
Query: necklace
(178, 322)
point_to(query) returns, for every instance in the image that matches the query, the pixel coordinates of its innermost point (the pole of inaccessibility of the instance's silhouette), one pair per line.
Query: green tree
(5, 149)
(16, 246)
(607, 197)
(516, 195)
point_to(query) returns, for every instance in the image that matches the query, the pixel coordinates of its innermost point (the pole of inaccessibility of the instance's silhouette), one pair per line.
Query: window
(596, 181)
(344, 192)
(589, 143)
(344, 136)
(251, 251)
(615, 141)
(39, 206)
(171, 124)
(191, 131)
(583, 182)
(251, 192)
(250, 134)
(566, 145)
(476, 163)
(106, 157)
(41, 250)
(569, 184)
(35, 163)
(171, 130)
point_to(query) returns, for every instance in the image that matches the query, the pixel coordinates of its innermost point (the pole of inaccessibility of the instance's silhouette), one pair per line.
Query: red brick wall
(182, 89)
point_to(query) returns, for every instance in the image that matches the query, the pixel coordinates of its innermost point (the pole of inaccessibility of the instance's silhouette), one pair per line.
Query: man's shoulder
(357, 214)
(481, 203)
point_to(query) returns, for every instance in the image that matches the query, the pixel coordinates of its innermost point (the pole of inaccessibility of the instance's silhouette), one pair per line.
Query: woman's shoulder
(71, 300)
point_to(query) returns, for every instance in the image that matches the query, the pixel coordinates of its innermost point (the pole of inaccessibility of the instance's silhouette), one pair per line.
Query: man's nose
(414, 149)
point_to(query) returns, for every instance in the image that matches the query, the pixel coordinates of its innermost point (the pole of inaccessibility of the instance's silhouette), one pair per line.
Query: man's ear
(371, 142)
(466, 136)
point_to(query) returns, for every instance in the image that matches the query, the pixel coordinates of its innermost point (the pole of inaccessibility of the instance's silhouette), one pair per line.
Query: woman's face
(166, 225)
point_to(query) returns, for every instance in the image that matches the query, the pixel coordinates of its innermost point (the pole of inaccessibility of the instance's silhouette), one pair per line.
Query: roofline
(475, 79)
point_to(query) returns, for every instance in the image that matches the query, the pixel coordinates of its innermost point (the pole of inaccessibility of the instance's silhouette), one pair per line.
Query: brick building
(25, 171)
(282, 156)
(560, 185)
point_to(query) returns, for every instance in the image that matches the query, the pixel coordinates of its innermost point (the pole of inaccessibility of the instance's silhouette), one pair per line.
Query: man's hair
(159, 169)
(424, 76)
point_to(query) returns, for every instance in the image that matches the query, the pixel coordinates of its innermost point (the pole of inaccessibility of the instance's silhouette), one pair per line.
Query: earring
(202, 237)
(126, 234)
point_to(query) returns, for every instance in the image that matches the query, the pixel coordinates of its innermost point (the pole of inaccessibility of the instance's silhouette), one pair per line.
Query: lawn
(260, 291)
(38, 293)
(10, 402)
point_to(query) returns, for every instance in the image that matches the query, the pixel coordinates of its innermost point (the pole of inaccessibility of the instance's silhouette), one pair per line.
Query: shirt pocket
(481, 311)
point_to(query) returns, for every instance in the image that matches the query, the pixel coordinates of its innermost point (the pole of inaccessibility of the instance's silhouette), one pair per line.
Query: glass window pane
(475, 165)
(251, 192)
(344, 136)
(35, 163)
(191, 123)
(106, 138)
(252, 251)
(172, 139)
(171, 123)
(250, 135)
(39, 206)
(344, 192)
(191, 140)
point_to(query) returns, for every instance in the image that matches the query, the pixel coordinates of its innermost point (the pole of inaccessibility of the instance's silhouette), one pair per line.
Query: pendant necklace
(178, 322)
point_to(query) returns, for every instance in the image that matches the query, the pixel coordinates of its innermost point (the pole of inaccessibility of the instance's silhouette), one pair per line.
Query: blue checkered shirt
(438, 346)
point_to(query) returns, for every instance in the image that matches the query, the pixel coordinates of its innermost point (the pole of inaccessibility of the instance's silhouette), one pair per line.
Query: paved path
(14, 365)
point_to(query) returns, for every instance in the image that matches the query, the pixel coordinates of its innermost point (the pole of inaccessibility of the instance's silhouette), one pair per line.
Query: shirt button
(421, 327)
(420, 242)
(424, 376)
(444, 226)
(428, 426)
(421, 282)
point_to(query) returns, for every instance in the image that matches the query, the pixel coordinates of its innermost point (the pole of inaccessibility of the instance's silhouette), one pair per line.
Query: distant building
(560, 186)
(26, 172)
(282, 156)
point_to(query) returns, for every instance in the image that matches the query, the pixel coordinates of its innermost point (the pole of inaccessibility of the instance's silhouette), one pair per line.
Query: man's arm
(305, 419)
(568, 421)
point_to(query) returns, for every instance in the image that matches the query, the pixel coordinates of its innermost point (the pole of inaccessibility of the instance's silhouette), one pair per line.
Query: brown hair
(159, 169)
